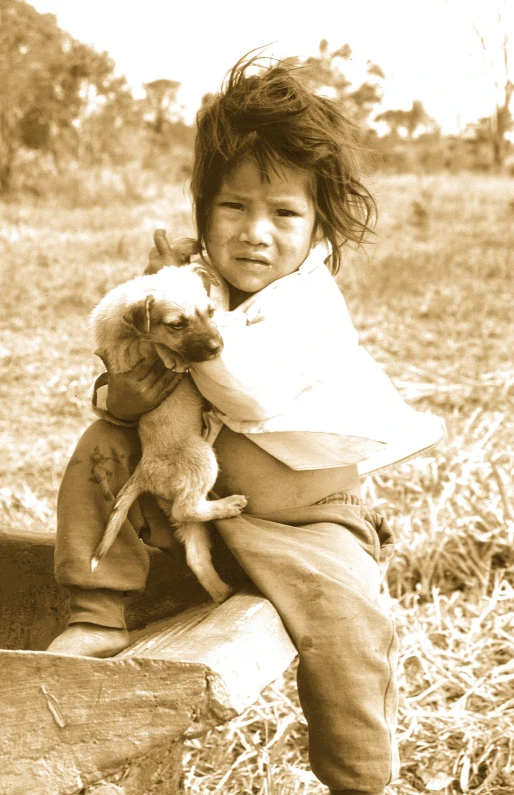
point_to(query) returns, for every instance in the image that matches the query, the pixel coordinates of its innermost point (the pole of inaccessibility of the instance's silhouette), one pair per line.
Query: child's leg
(321, 567)
(103, 460)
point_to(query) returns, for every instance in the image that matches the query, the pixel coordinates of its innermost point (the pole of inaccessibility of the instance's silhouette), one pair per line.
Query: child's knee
(102, 436)
(106, 455)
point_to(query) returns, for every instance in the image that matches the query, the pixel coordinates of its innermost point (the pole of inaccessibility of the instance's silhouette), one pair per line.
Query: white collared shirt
(294, 379)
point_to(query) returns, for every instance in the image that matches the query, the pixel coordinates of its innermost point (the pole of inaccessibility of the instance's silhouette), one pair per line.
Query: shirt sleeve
(99, 403)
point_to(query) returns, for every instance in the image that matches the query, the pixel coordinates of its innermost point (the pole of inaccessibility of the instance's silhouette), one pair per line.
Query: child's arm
(126, 396)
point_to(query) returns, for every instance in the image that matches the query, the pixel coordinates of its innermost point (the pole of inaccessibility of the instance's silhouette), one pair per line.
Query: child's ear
(138, 315)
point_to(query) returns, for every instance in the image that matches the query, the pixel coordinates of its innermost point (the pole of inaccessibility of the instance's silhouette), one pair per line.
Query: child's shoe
(90, 640)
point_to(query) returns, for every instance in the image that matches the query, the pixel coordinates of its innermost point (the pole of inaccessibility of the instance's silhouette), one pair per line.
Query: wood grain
(242, 643)
(34, 608)
(67, 722)
(74, 725)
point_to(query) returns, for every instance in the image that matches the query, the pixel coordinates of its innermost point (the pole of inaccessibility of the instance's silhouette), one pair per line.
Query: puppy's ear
(207, 276)
(104, 356)
(138, 315)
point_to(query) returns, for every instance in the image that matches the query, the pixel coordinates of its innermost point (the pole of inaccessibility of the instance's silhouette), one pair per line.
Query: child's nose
(256, 230)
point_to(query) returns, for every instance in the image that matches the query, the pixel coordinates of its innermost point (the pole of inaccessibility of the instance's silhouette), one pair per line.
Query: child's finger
(142, 369)
(184, 248)
(155, 262)
(161, 243)
(157, 373)
(162, 386)
(170, 381)
(178, 253)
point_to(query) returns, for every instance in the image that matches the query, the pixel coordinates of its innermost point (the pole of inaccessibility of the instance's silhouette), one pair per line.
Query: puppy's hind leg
(196, 539)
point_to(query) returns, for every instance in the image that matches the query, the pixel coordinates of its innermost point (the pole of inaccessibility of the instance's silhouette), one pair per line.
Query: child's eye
(285, 213)
(232, 205)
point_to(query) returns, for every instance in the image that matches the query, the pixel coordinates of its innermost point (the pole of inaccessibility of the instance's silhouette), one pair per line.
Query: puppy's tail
(128, 494)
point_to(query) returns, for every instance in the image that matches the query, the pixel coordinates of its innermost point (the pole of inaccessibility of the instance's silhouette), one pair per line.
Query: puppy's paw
(225, 508)
(220, 592)
(235, 504)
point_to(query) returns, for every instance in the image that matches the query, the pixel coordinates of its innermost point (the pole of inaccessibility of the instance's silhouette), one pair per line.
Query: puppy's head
(178, 316)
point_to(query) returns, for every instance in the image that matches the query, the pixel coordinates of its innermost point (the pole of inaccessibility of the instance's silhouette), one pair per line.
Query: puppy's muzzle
(213, 348)
(201, 349)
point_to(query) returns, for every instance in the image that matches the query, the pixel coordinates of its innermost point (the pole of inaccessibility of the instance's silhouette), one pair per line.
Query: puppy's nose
(213, 347)
(203, 348)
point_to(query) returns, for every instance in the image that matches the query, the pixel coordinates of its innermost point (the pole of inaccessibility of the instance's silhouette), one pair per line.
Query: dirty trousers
(321, 567)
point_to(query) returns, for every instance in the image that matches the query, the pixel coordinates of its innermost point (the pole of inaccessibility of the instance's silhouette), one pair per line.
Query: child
(296, 405)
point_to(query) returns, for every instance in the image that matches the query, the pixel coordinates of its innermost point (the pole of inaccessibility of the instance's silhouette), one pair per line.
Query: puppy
(171, 312)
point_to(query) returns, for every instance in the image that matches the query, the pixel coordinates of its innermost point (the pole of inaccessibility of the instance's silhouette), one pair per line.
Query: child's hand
(178, 253)
(132, 394)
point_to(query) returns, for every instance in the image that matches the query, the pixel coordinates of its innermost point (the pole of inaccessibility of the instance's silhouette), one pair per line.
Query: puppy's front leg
(188, 508)
(196, 471)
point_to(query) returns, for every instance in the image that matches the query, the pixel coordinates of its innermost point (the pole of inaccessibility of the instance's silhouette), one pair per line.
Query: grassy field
(432, 297)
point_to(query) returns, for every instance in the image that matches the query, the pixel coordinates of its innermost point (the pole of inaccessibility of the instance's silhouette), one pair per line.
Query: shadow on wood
(70, 723)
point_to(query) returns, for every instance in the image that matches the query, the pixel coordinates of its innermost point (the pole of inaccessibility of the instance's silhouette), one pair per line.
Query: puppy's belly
(269, 484)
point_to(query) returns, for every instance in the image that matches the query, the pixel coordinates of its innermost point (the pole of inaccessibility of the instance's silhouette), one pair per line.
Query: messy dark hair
(273, 119)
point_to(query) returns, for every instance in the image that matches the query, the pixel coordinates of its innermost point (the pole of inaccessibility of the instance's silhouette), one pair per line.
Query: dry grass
(432, 299)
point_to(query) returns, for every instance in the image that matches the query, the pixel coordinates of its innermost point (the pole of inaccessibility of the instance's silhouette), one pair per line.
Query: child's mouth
(254, 262)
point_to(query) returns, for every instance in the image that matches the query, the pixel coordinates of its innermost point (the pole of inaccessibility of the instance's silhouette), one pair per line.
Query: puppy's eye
(177, 325)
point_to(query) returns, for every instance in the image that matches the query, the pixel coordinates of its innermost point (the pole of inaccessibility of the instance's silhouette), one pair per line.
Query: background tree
(111, 129)
(168, 139)
(324, 74)
(23, 36)
(207, 100)
(408, 120)
(497, 52)
(49, 85)
(161, 104)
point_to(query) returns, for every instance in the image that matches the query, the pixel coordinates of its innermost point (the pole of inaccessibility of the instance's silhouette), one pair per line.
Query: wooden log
(34, 608)
(116, 727)
(242, 643)
(68, 722)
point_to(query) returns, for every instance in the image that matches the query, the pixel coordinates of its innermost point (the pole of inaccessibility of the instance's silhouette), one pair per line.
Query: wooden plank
(158, 772)
(68, 722)
(242, 643)
(34, 609)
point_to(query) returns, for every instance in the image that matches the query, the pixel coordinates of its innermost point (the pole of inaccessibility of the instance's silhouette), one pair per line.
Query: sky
(428, 49)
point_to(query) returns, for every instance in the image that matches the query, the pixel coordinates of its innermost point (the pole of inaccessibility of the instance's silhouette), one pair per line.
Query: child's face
(259, 231)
